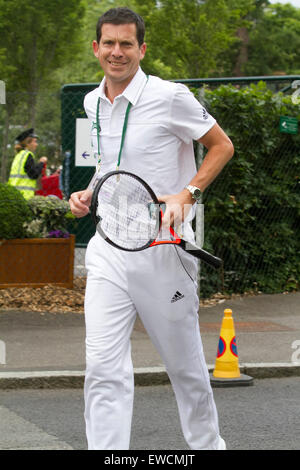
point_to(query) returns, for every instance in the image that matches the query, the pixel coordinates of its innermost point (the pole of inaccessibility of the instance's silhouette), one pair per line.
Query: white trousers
(160, 284)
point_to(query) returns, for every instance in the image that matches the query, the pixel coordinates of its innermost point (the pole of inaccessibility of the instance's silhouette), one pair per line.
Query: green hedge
(14, 212)
(252, 210)
(37, 217)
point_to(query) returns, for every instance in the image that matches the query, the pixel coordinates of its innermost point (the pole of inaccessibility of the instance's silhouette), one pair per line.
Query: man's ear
(95, 48)
(143, 49)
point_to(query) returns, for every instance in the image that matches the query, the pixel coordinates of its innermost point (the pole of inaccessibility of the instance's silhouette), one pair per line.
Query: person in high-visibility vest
(25, 171)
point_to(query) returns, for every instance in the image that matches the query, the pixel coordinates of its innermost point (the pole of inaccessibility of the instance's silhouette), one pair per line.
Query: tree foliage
(45, 35)
(193, 38)
(36, 38)
(189, 37)
(274, 44)
(44, 45)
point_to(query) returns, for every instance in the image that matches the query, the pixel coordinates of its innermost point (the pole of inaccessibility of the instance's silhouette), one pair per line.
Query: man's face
(118, 52)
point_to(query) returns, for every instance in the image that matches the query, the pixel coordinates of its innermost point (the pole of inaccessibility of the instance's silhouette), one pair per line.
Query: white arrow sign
(84, 155)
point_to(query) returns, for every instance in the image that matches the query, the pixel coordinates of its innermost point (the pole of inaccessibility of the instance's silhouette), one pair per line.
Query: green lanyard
(123, 132)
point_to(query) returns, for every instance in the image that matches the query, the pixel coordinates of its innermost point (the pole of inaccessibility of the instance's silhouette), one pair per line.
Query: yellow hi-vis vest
(18, 176)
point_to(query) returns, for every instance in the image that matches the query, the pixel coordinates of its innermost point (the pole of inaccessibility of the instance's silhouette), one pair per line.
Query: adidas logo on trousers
(177, 296)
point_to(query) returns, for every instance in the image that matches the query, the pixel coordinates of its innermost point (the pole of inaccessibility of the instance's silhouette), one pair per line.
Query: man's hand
(177, 207)
(80, 202)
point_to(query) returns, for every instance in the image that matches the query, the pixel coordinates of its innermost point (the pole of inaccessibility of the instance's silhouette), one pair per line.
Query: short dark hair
(122, 15)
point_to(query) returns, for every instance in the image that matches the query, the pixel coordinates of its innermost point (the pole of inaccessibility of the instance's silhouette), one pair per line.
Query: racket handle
(203, 255)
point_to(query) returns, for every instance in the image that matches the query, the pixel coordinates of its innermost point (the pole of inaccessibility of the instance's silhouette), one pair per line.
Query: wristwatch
(195, 192)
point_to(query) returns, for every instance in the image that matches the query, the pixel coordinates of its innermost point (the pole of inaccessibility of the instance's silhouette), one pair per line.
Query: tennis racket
(128, 216)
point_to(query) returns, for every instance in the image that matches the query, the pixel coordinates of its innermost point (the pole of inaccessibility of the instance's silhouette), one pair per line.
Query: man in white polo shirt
(163, 120)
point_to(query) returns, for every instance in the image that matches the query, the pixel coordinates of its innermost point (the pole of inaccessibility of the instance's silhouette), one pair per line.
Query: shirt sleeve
(86, 106)
(32, 168)
(90, 104)
(189, 120)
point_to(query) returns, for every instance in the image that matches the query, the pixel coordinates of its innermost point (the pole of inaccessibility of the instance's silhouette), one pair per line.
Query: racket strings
(124, 210)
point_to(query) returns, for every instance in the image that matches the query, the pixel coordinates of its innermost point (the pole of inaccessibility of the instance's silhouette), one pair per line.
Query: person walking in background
(25, 171)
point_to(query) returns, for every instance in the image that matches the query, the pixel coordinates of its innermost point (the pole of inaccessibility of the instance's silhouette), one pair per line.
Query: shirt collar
(133, 91)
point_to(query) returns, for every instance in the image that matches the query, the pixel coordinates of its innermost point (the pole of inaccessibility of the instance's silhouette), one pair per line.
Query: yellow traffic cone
(227, 371)
(227, 364)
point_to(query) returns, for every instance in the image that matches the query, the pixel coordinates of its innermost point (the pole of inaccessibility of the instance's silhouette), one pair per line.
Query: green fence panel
(244, 269)
(75, 178)
(72, 95)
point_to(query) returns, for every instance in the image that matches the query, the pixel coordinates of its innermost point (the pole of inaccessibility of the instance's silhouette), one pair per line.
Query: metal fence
(240, 271)
(253, 222)
(58, 118)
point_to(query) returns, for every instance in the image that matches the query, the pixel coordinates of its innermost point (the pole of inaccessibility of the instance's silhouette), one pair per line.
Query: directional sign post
(288, 125)
(84, 154)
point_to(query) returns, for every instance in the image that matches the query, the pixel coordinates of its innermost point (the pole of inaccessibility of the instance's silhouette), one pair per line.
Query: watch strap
(195, 192)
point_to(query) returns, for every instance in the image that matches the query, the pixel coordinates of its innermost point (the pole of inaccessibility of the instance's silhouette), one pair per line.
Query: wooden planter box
(35, 262)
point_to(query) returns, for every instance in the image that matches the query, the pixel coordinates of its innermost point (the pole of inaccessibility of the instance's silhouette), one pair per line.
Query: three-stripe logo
(177, 296)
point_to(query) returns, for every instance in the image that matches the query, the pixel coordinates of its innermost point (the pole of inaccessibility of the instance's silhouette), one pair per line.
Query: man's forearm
(215, 160)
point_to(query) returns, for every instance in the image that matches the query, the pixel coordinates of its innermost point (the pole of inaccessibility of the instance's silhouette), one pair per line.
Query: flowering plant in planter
(58, 234)
(50, 218)
(36, 248)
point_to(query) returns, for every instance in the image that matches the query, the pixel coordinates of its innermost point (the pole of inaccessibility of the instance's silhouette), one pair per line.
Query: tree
(189, 37)
(275, 42)
(45, 35)
(36, 38)
(251, 18)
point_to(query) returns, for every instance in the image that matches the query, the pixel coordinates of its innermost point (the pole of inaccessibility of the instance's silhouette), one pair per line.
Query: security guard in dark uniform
(25, 171)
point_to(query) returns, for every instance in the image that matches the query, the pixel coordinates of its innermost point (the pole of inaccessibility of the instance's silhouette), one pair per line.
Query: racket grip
(208, 258)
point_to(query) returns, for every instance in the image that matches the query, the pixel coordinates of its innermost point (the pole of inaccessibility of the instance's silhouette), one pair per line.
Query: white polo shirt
(164, 120)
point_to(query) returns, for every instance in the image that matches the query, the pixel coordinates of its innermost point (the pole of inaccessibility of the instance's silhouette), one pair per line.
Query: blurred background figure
(51, 184)
(25, 171)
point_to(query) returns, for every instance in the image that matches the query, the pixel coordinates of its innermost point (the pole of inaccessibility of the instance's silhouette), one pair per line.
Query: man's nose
(117, 51)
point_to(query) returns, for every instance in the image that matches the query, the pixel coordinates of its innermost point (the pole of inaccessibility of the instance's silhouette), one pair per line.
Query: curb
(272, 369)
(41, 379)
(144, 376)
